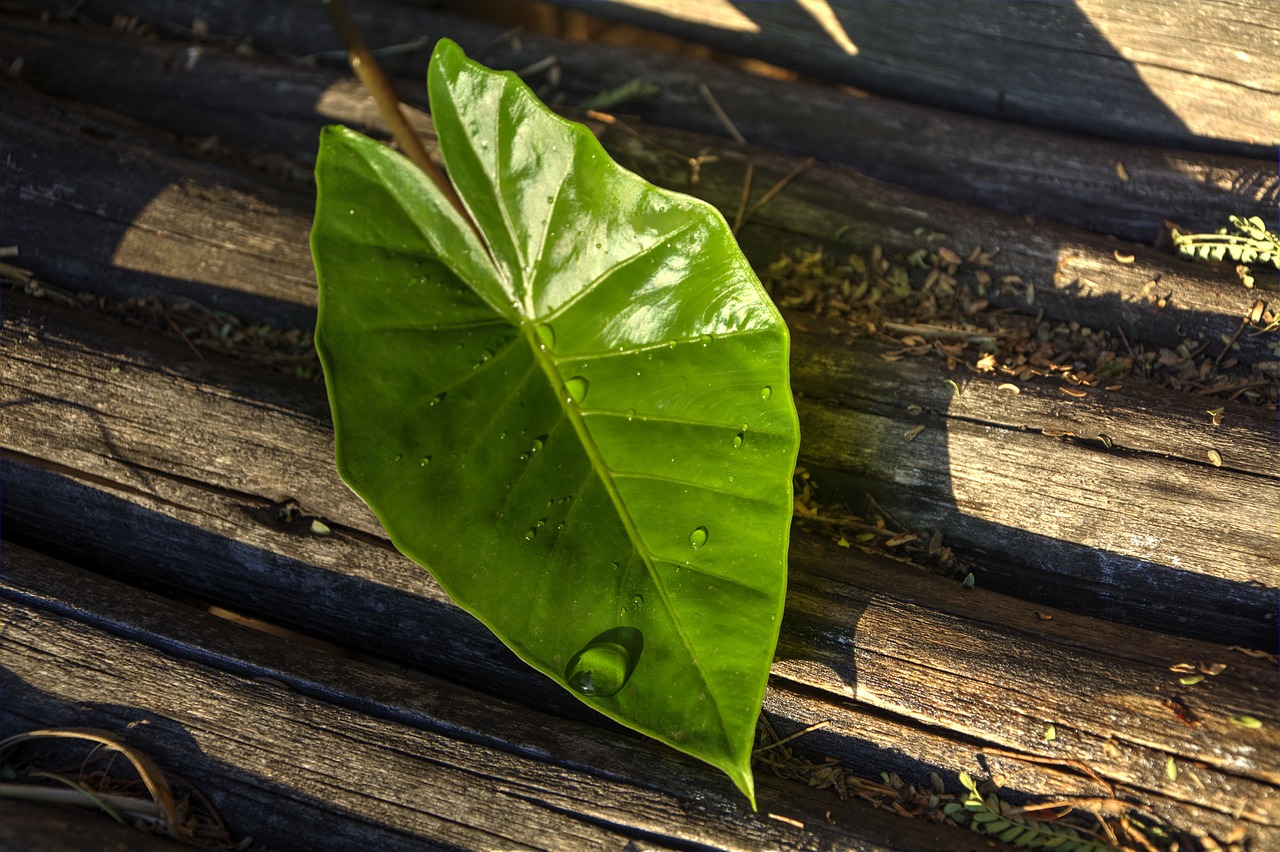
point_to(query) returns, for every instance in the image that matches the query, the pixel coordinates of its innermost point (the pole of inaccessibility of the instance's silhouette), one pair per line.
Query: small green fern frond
(1253, 244)
(991, 816)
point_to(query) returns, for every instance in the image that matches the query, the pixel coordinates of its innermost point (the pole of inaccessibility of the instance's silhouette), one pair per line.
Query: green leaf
(579, 420)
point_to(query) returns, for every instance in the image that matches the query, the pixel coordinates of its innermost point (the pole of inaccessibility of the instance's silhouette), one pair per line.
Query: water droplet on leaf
(576, 390)
(547, 335)
(424, 461)
(605, 664)
(738, 439)
(706, 339)
(438, 398)
(766, 392)
(698, 537)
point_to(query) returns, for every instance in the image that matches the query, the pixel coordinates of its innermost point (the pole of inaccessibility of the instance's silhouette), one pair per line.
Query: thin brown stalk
(366, 68)
(742, 199)
(777, 187)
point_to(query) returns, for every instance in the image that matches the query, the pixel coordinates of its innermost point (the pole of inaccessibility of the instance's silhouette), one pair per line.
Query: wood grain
(291, 743)
(1121, 68)
(132, 458)
(1004, 165)
(179, 518)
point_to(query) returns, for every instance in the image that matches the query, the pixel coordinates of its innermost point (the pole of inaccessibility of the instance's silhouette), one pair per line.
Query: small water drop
(671, 344)
(551, 199)
(766, 392)
(438, 398)
(424, 461)
(547, 335)
(538, 443)
(637, 602)
(706, 339)
(631, 413)
(614, 565)
(698, 537)
(605, 664)
(398, 457)
(738, 439)
(530, 534)
(576, 390)
(550, 504)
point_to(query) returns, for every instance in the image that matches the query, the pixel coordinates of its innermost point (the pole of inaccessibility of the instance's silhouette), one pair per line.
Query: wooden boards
(135, 458)
(129, 470)
(1128, 69)
(297, 748)
(1111, 186)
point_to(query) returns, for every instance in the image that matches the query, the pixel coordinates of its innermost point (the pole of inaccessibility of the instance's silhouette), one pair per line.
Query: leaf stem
(366, 68)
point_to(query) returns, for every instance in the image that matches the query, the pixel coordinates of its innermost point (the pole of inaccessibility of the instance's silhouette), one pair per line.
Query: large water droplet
(547, 335)
(738, 439)
(576, 390)
(766, 392)
(706, 339)
(698, 537)
(605, 664)
(438, 398)
(538, 443)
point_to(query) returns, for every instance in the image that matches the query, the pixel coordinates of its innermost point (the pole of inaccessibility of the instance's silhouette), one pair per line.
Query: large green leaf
(580, 422)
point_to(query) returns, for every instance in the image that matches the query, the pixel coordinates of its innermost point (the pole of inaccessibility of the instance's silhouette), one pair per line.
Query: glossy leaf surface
(579, 422)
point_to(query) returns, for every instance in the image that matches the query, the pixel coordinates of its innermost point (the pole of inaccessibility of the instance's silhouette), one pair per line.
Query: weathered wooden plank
(120, 219)
(1197, 75)
(1132, 528)
(1002, 165)
(297, 748)
(182, 516)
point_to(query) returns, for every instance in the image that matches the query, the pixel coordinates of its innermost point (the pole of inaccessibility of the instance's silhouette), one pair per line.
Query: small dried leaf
(1122, 258)
(948, 256)
(969, 581)
(320, 528)
(1213, 669)
(1191, 680)
(1122, 172)
(1182, 668)
(1050, 734)
(1247, 721)
(1009, 387)
(1215, 458)
(911, 433)
(1171, 769)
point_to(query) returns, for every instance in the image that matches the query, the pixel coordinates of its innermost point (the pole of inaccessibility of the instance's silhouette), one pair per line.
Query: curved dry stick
(150, 773)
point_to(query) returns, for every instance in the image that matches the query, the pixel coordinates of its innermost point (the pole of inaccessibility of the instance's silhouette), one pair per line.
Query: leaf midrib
(546, 362)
